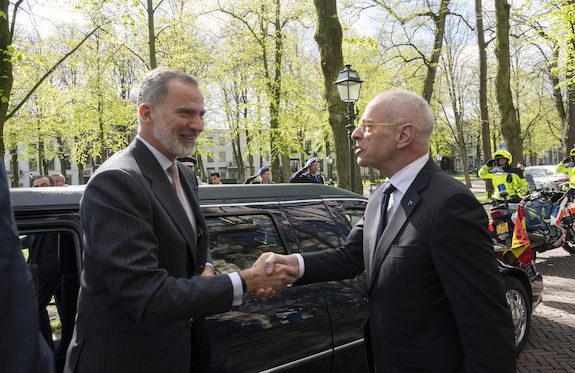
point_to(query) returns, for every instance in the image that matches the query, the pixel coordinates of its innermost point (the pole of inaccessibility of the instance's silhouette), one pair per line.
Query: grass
(461, 177)
(482, 198)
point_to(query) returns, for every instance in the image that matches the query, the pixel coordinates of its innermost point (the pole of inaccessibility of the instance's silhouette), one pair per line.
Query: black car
(316, 327)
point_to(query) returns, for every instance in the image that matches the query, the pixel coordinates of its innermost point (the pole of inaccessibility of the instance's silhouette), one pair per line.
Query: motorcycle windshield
(533, 219)
(542, 208)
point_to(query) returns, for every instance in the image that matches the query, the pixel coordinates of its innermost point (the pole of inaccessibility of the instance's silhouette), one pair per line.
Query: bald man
(436, 300)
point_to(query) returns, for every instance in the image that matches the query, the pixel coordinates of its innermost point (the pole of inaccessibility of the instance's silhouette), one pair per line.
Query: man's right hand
(267, 280)
(490, 162)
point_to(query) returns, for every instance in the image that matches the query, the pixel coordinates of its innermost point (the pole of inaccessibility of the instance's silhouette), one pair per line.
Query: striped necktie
(178, 188)
(176, 183)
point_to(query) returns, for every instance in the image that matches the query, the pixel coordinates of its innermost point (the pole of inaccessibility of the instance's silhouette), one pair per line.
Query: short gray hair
(155, 84)
(408, 107)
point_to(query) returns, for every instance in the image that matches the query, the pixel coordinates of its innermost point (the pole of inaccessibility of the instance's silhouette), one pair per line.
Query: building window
(222, 156)
(222, 140)
(67, 165)
(210, 158)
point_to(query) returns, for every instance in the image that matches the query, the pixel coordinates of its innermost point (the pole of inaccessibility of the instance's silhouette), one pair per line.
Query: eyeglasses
(364, 126)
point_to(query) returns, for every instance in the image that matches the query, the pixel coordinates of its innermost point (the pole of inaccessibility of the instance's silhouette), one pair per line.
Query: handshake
(270, 274)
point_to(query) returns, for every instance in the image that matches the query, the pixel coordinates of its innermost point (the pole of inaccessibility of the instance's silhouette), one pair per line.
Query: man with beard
(143, 300)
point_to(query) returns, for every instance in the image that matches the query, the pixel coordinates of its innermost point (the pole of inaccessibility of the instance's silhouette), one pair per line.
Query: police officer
(504, 177)
(567, 166)
(308, 174)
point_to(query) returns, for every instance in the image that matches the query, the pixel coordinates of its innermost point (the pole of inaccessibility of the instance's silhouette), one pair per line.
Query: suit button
(190, 322)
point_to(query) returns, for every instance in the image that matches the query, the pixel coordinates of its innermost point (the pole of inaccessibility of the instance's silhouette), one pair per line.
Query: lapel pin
(410, 203)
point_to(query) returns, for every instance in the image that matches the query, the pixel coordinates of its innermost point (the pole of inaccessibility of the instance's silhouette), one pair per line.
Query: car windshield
(536, 173)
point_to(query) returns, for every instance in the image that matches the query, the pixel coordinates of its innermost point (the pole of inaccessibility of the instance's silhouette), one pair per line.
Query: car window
(236, 241)
(537, 173)
(354, 215)
(313, 225)
(346, 213)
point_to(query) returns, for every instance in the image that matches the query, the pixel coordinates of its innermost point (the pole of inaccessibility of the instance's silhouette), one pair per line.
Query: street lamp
(348, 86)
(329, 163)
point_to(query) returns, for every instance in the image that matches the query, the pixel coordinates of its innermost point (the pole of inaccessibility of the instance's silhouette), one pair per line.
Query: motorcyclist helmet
(572, 153)
(504, 154)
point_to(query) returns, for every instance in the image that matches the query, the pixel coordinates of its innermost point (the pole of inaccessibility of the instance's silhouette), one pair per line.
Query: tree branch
(16, 6)
(48, 73)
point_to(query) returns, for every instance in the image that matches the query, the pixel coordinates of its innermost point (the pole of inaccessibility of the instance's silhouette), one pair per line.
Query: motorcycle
(549, 218)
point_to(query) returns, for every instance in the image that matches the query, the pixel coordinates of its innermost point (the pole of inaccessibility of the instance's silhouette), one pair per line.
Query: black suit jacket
(436, 298)
(22, 348)
(140, 284)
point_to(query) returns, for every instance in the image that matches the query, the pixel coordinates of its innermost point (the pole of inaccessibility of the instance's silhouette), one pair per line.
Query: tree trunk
(484, 111)
(80, 173)
(275, 90)
(569, 127)
(509, 126)
(6, 69)
(286, 169)
(329, 38)
(14, 166)
(558, 98)
(61, 155)
(152, 35)
(251, 170)
(439, 20)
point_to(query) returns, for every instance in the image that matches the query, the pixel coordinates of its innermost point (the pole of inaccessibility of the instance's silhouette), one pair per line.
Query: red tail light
(495, 214)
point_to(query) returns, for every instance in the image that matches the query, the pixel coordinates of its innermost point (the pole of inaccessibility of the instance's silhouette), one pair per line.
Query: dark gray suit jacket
(140, 284)
(436, 298)
(22, 348)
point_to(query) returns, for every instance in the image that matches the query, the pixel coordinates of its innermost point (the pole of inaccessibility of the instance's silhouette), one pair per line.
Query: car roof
(542, 166)
(68, 198)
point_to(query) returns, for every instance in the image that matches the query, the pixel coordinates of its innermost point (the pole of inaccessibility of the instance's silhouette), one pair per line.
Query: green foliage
(88, 104)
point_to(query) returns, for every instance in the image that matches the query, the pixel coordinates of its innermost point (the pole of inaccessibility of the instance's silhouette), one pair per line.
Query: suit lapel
(372, 214)
(164, 192)
(409, 203)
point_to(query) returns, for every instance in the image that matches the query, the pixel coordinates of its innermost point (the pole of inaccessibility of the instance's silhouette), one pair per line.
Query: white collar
(164, 161)
(403, 179)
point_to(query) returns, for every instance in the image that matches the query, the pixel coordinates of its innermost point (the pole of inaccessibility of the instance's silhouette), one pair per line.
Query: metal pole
(350, 128)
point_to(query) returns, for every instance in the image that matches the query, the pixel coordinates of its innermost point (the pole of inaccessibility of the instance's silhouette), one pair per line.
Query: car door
(316, 229)
(290, 332)
(52, 245)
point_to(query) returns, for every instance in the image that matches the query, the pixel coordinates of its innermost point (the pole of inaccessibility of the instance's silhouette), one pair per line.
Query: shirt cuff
(237, 287)
(301, 266)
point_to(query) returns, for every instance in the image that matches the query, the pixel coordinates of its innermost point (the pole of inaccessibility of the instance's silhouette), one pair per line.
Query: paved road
(551, 343)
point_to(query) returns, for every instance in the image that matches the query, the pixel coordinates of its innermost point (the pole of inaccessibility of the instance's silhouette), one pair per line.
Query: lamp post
(348, 86)
(329, 163)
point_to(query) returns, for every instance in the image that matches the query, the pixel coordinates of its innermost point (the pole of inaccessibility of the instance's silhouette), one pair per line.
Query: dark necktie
(384, 203)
